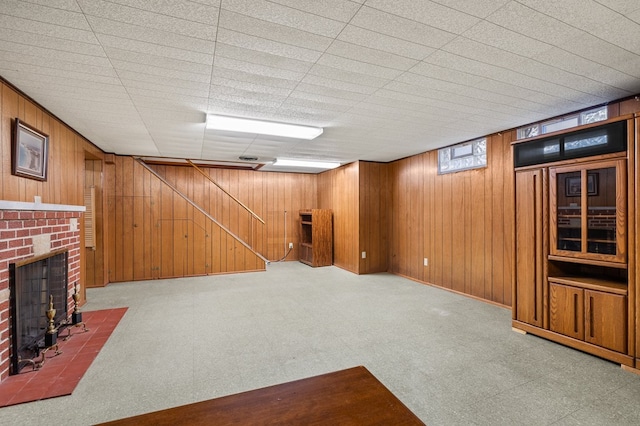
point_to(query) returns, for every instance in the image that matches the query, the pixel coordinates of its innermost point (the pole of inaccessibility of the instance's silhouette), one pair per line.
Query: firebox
(32, 283)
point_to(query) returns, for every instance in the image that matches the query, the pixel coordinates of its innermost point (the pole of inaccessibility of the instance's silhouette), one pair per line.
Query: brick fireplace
(28, 230)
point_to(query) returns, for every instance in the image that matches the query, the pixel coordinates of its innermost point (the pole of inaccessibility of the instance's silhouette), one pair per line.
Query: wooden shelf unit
(316, 237)
(574, 280)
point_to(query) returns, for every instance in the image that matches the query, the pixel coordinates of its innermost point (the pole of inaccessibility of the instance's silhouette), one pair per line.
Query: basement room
(340, 212)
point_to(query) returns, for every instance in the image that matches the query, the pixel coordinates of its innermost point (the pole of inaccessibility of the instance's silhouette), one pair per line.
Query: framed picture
(30, 152)
(573, 187)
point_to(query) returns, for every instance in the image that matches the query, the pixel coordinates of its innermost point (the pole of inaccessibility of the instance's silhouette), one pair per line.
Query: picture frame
(30, 152)
(573, 187)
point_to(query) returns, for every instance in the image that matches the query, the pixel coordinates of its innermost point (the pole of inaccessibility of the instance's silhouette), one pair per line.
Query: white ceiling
(385, 78)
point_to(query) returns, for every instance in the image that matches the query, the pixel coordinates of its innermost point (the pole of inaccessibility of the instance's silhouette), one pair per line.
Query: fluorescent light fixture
(246, 125)
(303, 163)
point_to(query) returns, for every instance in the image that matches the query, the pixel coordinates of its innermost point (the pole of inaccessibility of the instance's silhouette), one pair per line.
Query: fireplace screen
(32, 282)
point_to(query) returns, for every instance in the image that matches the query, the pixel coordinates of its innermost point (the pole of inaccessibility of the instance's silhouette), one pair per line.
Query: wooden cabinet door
(530, 255)
(606, 320)
(566, 310)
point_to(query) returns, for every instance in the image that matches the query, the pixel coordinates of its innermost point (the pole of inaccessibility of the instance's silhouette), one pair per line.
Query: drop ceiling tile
(36, 81)
(249, 87)
(150, 73)
(150, 35)
(350, 65)
(259, 44)
(46, 54)
(389, 23)
(504, 39)
(287, 16)
(19, 58)
(146, 19)
(320, 97)
(622, 6)
(531, 23)
(160, 84)
(583, 14)
(274, 32)
(446, 74)
(49, 30)
(163, 116)
(605, 53)
(53, 74)
(329, 91)
(385, 43)
(428, 12)
(38, 13)
(370, 56)
(556, 75)
(479, 8)
(311, 105)
(622, 32)
(241, 109)
(338, 10)
(246, 77)
(570, 62)
(427, 83)
(51, 43)
(346, 76)
(154, 49)
(203, 12)
(261, 70)
(148, 99)
(138, 61)
(245, 97)
(70, 5)
(262, 58)
(485, 57)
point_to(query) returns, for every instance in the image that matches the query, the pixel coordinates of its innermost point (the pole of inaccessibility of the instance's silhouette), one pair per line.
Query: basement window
(463, 156)
(566, 122)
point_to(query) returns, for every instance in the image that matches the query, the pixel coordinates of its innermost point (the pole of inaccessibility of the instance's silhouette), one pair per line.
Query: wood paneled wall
(171, 238)
(461, 222)
(67, 150)
(96, 268)
(375, 216)
(338, 190)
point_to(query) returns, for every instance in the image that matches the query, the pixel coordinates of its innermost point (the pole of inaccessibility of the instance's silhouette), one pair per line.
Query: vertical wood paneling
(374, 202)
(464, 225)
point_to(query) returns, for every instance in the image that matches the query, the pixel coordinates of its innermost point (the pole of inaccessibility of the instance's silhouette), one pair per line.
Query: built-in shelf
(599, 284)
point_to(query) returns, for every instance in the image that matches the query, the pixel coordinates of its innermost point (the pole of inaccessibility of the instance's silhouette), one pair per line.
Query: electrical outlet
(426, 262)
(364, 254)
(290, 245)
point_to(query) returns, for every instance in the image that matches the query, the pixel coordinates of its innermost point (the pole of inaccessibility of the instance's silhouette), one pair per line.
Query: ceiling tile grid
(385, 78)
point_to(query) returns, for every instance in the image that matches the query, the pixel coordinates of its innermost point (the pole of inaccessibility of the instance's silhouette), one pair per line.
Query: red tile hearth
(60, 374)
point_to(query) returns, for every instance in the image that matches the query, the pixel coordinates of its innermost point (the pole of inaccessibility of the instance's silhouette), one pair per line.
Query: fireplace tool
(76, 316)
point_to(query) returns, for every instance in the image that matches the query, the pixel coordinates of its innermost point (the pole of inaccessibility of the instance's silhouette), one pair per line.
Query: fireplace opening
(32, 283)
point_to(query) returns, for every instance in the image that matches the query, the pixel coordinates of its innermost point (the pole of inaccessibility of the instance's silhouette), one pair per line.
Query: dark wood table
(347, 397)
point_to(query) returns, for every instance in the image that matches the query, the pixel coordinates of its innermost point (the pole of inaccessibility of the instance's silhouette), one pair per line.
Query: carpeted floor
(61, 373)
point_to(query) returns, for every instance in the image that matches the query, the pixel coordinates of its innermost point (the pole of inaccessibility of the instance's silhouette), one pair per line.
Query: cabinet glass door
(601, 211)
(587, 205)
(569, 211)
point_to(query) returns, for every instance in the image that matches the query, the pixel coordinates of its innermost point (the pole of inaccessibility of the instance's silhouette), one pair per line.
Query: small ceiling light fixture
(304, 163)
(246, 125)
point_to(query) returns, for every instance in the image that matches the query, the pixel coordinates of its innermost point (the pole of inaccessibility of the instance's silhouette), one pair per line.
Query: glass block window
(567, 122)
(464, 156)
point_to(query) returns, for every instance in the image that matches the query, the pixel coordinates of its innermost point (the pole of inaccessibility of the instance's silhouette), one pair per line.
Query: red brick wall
(17, 230)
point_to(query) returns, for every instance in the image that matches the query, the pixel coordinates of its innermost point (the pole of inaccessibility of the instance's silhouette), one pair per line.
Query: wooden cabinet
(530, 226)
(316, 237)
(595, 316)
(566, 308)
(588, 211)
(574, 277)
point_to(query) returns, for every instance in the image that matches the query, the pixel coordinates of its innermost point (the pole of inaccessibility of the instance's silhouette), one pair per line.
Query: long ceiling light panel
(246, 125)
(303, 163)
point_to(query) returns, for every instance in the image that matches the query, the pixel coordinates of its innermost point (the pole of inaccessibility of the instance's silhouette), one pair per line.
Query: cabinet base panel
(624, 360)
(631, 369)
